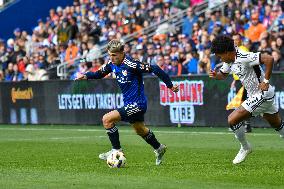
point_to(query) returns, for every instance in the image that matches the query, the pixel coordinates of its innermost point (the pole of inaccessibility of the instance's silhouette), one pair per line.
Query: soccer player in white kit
(260, 101)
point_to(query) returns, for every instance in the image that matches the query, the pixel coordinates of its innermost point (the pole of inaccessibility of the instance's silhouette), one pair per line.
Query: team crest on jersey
(254, 57)
(124, 72)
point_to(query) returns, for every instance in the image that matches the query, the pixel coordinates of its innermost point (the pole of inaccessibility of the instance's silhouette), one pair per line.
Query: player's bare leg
(150, 138)
(235, 120)
(109, 121)
(275, 121)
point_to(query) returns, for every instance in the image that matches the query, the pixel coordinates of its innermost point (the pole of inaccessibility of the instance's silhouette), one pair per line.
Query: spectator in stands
(264, 48)
(141, 56)
(192, 64)
(72, 30)
(17, 33)
(52, 62)
(204, 65)
(1, 75)
(97, 63)
(127, 48)
(17, 76)
(188, 22)
(42, 63)
(160, 61)
(22, 62)
(9, 72)
(62, 31)
(150, 54)
(94, 50)
(53, 16)
(267, 21)
(238, 42)
(173, 68)
(72, 52)
(17, 51)
(247, 44)
(230, 10)
(35, 74)
(3, 55)
(278, 61)
(254, 31)
(167, 64)
(174, 49)
(211, 22)
(280, 46)
(62, 52)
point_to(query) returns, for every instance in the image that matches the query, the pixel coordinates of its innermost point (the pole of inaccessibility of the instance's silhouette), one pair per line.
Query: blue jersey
(129, 75)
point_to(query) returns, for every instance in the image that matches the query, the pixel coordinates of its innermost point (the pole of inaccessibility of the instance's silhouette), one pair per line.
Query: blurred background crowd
(80, 30)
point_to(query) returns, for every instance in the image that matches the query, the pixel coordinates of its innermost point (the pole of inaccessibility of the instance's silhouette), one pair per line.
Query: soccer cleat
(159, 153)
(104, 156)
(241, 156)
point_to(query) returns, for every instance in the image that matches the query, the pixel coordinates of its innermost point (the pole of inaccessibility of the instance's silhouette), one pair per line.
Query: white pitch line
(52, 138)
(131, 131)
(82, 137)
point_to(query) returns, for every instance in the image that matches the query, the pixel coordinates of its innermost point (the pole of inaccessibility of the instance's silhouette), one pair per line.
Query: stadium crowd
(81, 29)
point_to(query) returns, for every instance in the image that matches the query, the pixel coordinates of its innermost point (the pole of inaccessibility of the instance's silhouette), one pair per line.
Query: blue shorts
(132, 113)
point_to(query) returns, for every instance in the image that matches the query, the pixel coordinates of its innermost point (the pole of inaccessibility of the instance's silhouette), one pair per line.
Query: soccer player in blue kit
(129, 75)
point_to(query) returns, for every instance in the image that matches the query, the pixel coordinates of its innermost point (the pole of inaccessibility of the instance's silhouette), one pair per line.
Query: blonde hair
(115, 46)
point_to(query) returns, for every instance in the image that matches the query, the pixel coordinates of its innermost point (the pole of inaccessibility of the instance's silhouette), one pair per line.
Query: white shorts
(257, 105)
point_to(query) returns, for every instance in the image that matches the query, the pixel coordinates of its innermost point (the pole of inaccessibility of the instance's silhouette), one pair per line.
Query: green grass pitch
(66, 157)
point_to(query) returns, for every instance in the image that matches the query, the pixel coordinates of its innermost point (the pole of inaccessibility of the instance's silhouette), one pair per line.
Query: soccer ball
(116, 159)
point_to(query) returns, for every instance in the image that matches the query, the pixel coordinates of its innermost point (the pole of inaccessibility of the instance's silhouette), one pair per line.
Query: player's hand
(263, 86)
(175, 88)
(212, 74)
(81, 77)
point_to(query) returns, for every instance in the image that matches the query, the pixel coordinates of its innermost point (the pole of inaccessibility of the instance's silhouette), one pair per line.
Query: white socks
(240, 135)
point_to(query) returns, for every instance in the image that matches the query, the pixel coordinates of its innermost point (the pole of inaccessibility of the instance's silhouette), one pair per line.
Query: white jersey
(247, 68)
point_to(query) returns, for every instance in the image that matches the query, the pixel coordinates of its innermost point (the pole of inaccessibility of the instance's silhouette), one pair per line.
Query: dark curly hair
(222, 44)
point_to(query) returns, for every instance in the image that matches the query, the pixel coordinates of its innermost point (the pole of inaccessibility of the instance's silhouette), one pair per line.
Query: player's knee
(231, 121)
(107, 122)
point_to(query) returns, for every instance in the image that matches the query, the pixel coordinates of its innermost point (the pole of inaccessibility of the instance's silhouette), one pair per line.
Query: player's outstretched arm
(101, 73)
(217, 75)
(164, 77)
(81, 76)
(147, 68)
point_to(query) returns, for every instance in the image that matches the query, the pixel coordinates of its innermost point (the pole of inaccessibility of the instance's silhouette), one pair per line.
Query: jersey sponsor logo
(182, 103)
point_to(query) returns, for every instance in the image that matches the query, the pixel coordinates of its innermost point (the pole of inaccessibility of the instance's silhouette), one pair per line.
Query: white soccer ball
(116, 159)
